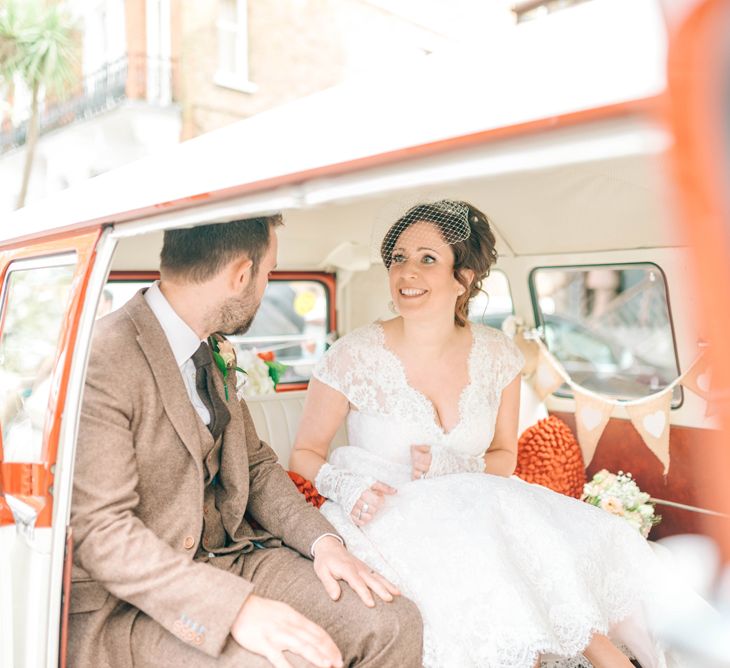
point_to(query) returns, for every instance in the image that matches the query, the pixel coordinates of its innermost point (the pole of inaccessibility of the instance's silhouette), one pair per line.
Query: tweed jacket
(137, 507)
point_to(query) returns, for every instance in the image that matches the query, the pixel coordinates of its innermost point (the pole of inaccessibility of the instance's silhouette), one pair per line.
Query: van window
(293, 320)
(610, 327)
(35, 301)
(494, 303)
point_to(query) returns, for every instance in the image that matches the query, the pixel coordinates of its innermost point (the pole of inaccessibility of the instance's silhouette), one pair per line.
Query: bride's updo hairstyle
(462, 226)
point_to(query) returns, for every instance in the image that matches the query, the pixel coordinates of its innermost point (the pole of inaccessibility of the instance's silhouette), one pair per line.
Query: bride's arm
(501, 457)
(324, 411)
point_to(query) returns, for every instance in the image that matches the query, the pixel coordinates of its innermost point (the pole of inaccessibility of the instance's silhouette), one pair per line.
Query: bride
(503, 571)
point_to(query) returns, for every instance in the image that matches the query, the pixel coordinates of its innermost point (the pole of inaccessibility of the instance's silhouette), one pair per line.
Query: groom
(191, 545)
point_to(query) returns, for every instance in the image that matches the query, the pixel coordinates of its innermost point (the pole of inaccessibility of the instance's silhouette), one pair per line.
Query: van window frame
(538, 320)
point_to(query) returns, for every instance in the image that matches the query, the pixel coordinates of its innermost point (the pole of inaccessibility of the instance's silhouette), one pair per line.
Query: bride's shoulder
(489, 335)
(361, 338)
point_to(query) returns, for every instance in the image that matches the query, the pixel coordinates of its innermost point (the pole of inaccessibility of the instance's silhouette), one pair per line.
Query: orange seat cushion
(307, 488)
(548, 454)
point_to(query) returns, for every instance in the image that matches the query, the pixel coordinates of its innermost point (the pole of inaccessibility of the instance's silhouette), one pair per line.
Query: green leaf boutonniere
(225, 358)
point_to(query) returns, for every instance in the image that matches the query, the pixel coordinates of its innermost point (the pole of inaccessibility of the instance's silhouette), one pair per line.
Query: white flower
(612, 505)
(257, 377)
(511, 324)
(227, 353)
(646, 510)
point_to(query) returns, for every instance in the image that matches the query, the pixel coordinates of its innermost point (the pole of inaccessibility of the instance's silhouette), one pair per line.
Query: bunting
(591, 417)
(549, 375)
(651, 419)
(649, 415)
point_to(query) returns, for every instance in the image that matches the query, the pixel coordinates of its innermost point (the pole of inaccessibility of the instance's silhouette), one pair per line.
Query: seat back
(277, 416)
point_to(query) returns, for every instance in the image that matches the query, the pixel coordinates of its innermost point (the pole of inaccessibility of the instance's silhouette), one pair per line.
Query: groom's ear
(240, 273)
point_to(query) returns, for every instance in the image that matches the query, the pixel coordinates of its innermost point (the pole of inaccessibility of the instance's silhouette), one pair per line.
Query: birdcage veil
(450, 219)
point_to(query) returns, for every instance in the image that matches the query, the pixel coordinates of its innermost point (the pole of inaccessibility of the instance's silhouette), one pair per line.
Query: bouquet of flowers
(262, 373)
(620, 495)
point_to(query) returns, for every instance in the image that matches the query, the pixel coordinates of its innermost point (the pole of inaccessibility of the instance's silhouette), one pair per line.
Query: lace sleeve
(512, 361)
(341, 366)
(326, 370)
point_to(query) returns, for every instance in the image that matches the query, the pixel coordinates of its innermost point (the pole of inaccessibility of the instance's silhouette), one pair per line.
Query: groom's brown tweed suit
(164, 558)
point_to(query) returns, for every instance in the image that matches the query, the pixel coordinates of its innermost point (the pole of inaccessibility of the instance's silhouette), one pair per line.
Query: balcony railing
(129, 78)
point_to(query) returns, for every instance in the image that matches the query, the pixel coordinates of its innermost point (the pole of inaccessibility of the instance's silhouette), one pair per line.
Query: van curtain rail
(684, 506)
(131, 77)
(526, 10)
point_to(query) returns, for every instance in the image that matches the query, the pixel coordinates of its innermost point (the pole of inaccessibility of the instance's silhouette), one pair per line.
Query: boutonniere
(225, 358)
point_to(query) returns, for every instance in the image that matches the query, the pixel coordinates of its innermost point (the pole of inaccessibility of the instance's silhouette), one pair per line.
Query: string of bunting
(649, 415)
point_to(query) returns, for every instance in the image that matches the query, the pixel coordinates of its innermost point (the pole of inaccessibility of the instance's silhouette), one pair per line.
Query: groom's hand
(269, 628)
(332, 562)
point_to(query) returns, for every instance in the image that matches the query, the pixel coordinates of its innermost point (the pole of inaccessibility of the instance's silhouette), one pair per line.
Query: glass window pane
(36, 301)
(494, 303)
(609, 326)
(227, 36)
(118, 293)
(292, 322)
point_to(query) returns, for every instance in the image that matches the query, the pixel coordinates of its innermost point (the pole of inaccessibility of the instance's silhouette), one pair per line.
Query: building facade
(156, 72)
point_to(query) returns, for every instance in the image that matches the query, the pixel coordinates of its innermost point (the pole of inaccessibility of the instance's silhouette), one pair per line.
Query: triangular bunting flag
(530, 350)
(547, 378)
(698, 377)
(591, 417)
(651, 419)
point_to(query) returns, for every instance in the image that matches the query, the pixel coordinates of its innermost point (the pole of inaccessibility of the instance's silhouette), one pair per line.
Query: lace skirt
(503, 570)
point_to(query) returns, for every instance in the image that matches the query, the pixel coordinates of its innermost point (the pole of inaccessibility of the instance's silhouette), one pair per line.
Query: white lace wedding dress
(501, 569)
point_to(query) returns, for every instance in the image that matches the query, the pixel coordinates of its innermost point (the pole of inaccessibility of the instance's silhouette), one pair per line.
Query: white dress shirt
(183, 341)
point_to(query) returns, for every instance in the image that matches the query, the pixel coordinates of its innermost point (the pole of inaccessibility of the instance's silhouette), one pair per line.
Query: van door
(44, 332)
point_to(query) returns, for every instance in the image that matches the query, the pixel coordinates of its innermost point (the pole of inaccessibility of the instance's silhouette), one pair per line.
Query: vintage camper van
(591, 141)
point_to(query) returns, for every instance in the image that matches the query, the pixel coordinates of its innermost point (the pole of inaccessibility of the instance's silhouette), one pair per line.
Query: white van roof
(598, 56)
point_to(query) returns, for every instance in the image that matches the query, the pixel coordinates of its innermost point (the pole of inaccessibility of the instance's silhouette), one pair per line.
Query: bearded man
(191, 545)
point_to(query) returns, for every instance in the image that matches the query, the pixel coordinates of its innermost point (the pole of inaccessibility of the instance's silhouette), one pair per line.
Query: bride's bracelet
(445, 461)
(342, 486)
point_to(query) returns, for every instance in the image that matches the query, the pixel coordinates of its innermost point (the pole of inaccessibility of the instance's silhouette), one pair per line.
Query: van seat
(277, 416)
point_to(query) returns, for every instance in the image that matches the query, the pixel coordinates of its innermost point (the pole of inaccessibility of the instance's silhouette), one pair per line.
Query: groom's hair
(197, 254)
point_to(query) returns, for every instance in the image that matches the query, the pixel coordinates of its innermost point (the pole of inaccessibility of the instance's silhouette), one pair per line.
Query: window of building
(494, 303)
(293, 321)
(36, 294)
(233, 46)
(610, 326)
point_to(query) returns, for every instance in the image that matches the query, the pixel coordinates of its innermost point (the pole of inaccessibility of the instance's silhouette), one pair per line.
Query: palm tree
(37, 46)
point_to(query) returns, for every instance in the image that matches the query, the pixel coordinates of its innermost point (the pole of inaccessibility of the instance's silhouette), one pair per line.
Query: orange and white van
(597, 140)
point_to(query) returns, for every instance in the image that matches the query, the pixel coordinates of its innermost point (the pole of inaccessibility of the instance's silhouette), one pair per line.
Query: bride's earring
(392, 308)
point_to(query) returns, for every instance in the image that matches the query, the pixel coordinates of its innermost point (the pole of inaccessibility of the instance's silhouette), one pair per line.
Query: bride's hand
(420, 461)
(370, 502)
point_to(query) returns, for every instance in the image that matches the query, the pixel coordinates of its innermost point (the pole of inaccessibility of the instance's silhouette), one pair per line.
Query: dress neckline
(378, 325)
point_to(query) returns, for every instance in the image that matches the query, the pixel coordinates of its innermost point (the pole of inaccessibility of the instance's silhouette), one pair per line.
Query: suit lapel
(174, 396)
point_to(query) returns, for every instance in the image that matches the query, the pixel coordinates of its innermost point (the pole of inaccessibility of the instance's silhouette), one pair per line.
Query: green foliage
(36, 43)
(276, 370)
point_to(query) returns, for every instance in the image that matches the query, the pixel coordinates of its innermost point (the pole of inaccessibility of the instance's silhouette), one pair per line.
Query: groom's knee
(398, 633)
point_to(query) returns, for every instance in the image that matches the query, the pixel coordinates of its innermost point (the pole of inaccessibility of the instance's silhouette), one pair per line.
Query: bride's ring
(364, 508)
(423, 475)
(359, 514)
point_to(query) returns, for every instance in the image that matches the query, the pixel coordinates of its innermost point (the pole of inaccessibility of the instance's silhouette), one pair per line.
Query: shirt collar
(182, 339)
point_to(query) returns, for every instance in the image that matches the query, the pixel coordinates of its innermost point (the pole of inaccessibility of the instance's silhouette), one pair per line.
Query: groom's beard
(237, 313)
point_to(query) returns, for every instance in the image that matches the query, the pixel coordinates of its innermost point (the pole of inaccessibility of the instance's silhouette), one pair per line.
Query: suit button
(188, 542)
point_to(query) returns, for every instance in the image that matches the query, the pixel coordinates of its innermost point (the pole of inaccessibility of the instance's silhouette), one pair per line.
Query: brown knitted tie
(220, 416)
